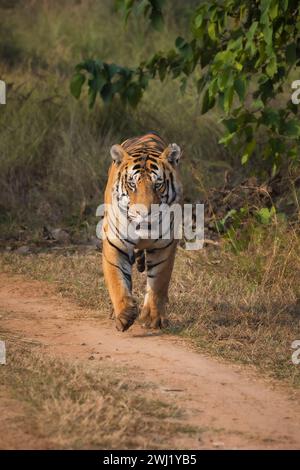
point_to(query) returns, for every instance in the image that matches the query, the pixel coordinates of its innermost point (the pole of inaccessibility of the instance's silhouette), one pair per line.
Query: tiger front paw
(158, 323)
(153, 322)
(126, 318)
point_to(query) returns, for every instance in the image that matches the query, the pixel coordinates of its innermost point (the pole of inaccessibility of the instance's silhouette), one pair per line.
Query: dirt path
(234, 407)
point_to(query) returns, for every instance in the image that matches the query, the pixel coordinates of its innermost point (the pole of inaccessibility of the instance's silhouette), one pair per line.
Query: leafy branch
(242, 54)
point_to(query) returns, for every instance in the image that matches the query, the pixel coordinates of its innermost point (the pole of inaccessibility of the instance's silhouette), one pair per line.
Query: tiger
(143, 174)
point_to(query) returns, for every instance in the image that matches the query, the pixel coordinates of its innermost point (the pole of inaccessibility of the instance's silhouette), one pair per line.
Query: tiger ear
(172, 153)
(117, 153)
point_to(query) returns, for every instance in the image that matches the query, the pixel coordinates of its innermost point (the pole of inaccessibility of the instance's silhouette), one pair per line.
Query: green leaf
(292, 128)
(224, 79)
(265, 215)
(271, 68)
(180, 42)
(291, 54)
(76, 84)
(157, 4)
(240, 88)
(157, 20)
(228, 98)
(207, 102)
(257, 104)
(252, 30)
(245, 159)
(273, 10)
(238, 66)
(227, 138)
(187, 52)
(114, 69)
(270, 117)
(92, 97)
(248, 151)
(230, 124)
(133, 94)
(285, 4)
(293, 154)
(143, 81)
(107, 92)
(268, 34)
(212, 31)
(198, 20)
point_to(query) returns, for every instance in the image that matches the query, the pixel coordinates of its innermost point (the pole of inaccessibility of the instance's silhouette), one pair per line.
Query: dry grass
(83, 406)
(78, 276)
(243, 307)
(54, 150)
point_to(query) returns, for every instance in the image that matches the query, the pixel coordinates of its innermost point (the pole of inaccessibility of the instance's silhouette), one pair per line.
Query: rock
(23, 250)
(60, 235)
(56, 234)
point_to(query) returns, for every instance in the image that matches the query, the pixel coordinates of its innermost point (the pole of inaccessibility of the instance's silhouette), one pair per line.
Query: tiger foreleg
(159, 270)
(117, 274)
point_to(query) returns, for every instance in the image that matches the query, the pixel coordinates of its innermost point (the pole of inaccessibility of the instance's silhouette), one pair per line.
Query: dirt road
(233, 406)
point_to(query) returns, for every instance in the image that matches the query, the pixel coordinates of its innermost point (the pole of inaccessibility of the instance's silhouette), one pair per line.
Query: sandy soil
(235, 407)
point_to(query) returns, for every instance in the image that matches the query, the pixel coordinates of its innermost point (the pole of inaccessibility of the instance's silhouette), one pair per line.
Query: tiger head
(146, 177)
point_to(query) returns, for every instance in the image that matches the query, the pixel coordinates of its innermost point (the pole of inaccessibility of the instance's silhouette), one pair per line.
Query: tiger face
(146, 180)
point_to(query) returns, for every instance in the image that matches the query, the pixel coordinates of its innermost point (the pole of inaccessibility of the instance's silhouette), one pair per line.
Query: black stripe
(168, 189)
(112, 228)
(122, 240)
(125, 274)
(150, 266)
(172, 182)
(153, 166)
(152, 159)
(120, 251)
(171, 226)
(153, 250)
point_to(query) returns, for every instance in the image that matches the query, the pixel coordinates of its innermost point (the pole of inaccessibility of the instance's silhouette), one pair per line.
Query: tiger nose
(143, 211)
